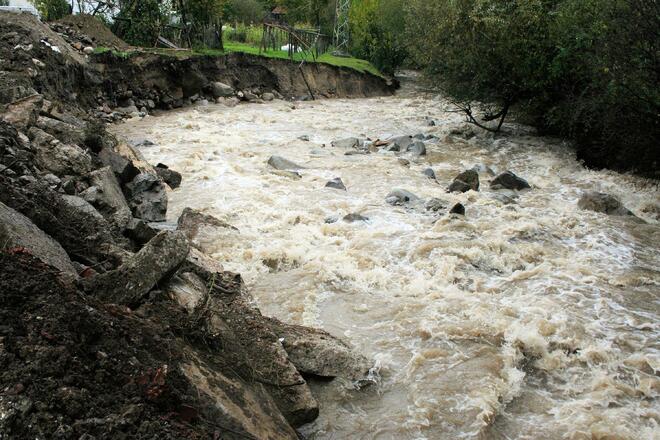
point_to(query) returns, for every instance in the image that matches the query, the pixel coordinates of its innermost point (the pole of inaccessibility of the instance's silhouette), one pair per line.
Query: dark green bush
(586, 69)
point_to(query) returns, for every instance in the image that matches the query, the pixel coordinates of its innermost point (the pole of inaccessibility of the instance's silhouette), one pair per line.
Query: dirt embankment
(114, 324)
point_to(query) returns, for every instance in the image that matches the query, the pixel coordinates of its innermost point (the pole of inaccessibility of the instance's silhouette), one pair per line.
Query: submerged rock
(400, 197)
(280, 163)
(601, 202)
(435, 204)
(464, 182)
(508, 180)
(336, 183)
(353, 217)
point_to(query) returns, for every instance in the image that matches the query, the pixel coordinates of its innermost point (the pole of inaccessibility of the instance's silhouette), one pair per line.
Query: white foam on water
(526, 320)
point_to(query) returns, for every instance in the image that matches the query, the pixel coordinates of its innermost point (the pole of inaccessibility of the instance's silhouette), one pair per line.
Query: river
(526, 319)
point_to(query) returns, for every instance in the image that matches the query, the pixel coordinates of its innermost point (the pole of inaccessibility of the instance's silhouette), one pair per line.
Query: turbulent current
(528, 318)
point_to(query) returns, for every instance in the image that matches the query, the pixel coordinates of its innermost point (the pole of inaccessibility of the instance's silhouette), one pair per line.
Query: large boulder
(147, 197)
(508, 180)
(464, 182)
(133, 280)
(58, 158)
(314, 351)
(65, 132)
(601, 202)
(78, 229)
(400, 197)
(121, 166)
(105, 194)
(203, 230)
(221, 90)
(171, 177)
(280, 163)
(17, 231)
(399, 143)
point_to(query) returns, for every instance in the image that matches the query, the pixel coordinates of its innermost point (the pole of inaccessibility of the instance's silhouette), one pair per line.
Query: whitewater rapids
(526, 319)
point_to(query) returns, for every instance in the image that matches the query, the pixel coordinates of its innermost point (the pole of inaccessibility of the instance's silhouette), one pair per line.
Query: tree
(51, 10)
(377, 32)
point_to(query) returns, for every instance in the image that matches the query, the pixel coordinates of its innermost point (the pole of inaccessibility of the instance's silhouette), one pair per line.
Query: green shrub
(586, 69)
(52, 9)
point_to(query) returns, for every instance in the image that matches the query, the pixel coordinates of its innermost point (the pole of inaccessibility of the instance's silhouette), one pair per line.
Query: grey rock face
(399, 143)
(17, 231)
(464, 182)
(601, 202)
(508, 180)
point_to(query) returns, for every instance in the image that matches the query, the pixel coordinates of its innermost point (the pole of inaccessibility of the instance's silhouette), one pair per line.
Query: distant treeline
(584, 69)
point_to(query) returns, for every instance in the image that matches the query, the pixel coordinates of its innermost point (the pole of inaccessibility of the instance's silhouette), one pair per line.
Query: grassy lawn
(230, 46)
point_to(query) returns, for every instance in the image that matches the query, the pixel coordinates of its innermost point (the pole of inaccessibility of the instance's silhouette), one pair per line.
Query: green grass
(351, 63)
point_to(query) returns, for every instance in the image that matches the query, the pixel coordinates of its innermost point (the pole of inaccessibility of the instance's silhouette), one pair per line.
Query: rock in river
(508, 180)
(601, 202)
(458, 209)
(464, 182)
(336, 183)
(280, 163)
(400, 197)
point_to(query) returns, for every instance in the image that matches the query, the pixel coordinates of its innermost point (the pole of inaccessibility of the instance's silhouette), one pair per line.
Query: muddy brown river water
(526, 319)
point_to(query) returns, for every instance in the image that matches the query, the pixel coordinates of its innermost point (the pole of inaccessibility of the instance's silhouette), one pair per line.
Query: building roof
(279, 10)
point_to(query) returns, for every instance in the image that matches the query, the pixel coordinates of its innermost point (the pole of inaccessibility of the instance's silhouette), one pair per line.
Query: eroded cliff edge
(113, 323)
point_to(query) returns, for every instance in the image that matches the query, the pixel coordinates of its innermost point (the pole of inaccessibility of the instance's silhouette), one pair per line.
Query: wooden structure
(310, 43)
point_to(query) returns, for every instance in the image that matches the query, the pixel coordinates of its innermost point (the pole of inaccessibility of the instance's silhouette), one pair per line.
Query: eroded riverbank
(527, 318)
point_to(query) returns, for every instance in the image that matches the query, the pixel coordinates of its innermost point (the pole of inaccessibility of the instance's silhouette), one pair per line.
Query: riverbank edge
(115, 323)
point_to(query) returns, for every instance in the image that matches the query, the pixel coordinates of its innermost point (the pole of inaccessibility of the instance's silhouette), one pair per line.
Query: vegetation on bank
(359, 65)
